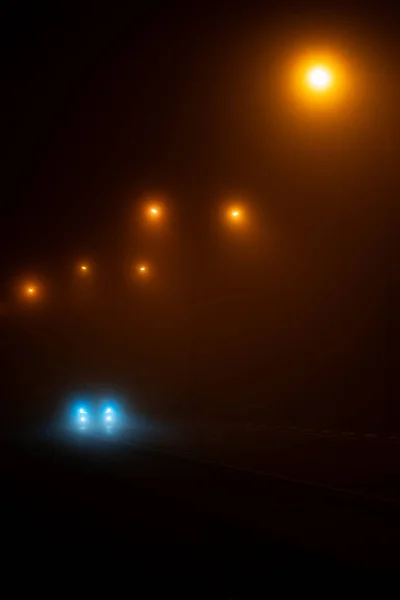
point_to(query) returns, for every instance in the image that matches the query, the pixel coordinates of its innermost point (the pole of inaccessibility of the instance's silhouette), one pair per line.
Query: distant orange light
(235, 213)
(143, 269)
(83, 268)
(30, 291)
(154, 211)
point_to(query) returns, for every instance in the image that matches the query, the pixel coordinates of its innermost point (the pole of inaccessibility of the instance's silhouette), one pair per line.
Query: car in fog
(96, 416)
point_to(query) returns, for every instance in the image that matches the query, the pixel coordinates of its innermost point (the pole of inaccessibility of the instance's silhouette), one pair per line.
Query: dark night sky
(99, 108)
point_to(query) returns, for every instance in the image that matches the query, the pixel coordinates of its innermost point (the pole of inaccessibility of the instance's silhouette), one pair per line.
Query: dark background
(286, 321)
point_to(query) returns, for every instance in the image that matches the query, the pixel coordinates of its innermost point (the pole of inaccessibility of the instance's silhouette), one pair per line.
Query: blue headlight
(110, 417)
(82, 418)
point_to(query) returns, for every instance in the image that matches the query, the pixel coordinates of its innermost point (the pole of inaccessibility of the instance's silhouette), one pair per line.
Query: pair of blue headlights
(105, 418)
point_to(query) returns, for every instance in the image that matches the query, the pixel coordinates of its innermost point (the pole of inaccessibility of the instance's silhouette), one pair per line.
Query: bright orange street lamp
(322, 79)
(234, 214)
(153, 207)
(154, 212)
(319, 78)
(234, 211)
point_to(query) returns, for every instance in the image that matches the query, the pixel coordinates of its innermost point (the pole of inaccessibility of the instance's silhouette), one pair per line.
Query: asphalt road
(366, 465)
(103, 512)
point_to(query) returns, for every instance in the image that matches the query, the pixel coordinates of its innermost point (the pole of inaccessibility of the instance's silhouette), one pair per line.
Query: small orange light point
(30, 291)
